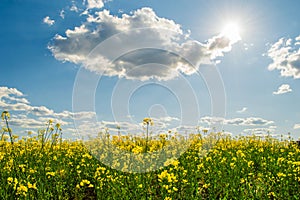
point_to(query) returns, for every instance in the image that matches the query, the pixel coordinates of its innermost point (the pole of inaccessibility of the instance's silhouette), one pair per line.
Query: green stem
(9, 131)
(147, 136)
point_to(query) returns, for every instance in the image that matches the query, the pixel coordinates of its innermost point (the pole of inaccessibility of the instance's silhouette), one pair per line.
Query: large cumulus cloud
(177, 54)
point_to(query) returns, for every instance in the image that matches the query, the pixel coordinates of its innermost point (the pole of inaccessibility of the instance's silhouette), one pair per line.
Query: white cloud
(29, 116)
(48, 21)
(12, 99)
(78, 43)
(211, 120)
(270, 131)
(244, 109)
(74, 8)
(249, 121)
(76, 116)
(26, 122)
(6, 92)
(124, 126)
(284, 88)
(62, 14)
(41, 111)
(184, 129)
(297, 126)
(286, 57)
(94, 4)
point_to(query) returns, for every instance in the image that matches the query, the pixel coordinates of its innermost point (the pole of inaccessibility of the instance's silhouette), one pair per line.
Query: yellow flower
(250, 163)
(280, 174)
(22, 190)
(5, 114)
(271, 194)
(57, 125)
(10, 180)
(232, 165)
(242, 180)
(49, 174)
(140, 186)
(240, 153)
(31, 186)
(296, 163)
(84, 182)
(148, 121)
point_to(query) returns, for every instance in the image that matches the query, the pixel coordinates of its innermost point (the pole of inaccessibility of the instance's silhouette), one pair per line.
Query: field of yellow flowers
(47, 167)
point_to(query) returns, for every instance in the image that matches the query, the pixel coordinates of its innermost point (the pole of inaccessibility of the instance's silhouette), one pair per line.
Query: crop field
(213, 166)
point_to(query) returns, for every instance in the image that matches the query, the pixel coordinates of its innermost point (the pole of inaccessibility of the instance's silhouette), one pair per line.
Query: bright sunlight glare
(232, 32)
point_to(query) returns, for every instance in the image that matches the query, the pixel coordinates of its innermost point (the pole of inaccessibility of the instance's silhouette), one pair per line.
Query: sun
(232, 32)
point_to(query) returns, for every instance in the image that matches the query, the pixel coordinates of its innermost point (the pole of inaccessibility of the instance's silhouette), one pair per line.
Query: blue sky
(243, 70)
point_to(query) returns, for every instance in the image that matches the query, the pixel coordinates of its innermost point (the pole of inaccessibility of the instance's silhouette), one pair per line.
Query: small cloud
(244, 109)
(260, 131)
(62, 14)
(94, 4)
(48, 21)
(297, 126)
(74, 8)
(284, 88)
(247, 46)
(249, 121)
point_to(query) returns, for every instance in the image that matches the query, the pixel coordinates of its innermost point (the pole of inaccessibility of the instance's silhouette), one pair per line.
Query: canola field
(213, 166)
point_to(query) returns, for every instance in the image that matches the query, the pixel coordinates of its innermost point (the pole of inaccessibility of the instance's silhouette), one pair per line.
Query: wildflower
(208, 159)
(140, 186)
(84, 182)
(10, 180)
(280, 160)
(57, 125)
(296, 163)
(242, 180)
(173, 162)
(148, 121)
(22, 190)
(232, 165)
(31, 186)
(5, 115)
(280, 174)
(250, 163)
(240, 153)
(49, 174)
(15, 136)
(271, 194)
